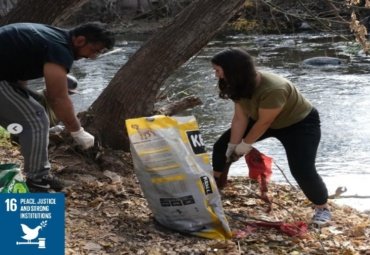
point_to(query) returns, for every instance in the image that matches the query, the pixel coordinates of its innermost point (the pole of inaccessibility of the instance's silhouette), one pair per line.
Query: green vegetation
(244, 25)
(4, 137)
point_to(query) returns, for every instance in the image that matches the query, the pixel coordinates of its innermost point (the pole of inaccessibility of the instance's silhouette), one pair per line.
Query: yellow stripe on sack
(153, 151)
(155, 169)
(152, 123)
(138, 122)
(173, 178)
(205, 158)
(156, 122)
(213, 234)
(218, 232)
(191, 125)
(160, 122)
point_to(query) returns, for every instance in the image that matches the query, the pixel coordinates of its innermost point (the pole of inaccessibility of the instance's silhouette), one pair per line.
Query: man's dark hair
(239, 71)
(95, 32)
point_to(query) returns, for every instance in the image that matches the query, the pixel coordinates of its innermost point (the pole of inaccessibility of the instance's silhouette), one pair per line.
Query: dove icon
(33, 233)
(30, 233)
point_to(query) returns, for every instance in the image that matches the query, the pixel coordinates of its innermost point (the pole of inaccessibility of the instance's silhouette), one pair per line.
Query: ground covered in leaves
(106, 213)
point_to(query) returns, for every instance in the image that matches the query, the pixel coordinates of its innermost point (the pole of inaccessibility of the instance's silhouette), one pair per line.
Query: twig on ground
(286, 178)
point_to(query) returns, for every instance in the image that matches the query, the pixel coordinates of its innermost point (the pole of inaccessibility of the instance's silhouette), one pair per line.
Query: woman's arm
(238, 124)
(265, 118)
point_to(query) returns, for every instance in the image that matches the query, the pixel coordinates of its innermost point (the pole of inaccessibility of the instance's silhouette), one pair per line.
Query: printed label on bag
(206, 185)
(196, 141)
(32, 223)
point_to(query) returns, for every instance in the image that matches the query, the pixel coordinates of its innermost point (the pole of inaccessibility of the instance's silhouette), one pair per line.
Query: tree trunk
(6, 6)
(41, 11)
(132, 92)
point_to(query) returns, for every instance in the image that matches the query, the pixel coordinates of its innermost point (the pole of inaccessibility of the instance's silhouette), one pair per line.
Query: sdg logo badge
(196, 142)
(32, 223)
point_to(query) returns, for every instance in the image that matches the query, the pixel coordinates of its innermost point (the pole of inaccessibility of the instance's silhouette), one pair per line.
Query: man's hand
(57, 129)
(83, 138)
(243, 148)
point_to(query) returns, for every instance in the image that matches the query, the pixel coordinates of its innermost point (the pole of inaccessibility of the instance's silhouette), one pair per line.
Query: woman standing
(267, 105)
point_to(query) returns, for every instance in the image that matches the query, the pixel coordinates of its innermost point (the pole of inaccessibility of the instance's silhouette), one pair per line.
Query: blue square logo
(32, 223)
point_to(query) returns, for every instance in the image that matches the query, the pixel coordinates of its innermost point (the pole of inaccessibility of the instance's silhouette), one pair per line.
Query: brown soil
(106, 213)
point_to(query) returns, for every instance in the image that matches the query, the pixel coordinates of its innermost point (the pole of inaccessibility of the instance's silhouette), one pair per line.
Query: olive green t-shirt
(275, 91)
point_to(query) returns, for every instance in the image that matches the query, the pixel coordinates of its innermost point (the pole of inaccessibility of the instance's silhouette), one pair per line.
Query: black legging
(300, 141)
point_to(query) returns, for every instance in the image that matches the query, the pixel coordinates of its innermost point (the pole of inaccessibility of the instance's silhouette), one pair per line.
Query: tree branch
(179, 106)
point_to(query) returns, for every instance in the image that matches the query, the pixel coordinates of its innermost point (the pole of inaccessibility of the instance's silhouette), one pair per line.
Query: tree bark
(179, 106)
(132, 92)
(41, 11)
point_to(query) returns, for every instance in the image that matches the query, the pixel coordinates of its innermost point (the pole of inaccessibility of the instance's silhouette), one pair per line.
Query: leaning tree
(133, 90)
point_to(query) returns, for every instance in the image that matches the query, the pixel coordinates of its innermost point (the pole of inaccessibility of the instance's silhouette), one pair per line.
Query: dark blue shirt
(26, 47)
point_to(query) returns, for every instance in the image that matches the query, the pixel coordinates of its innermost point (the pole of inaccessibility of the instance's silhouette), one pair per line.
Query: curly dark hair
(95, 32)
(239, 71)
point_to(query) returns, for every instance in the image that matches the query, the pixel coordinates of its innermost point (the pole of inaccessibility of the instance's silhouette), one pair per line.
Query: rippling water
(341, 94)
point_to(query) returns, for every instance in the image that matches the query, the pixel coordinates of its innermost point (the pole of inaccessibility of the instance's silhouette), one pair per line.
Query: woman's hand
(243, 148)
(230, 149)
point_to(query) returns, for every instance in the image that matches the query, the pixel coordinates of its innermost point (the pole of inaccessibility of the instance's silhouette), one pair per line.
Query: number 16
(11, 204)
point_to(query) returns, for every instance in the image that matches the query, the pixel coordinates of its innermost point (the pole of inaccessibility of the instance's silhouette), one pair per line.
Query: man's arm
(57, 95)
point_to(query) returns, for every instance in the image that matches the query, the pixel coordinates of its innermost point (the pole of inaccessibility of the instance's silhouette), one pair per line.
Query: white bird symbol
(30, 233)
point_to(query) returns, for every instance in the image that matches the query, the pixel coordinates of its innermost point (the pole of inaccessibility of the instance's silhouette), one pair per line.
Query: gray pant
(17, 107)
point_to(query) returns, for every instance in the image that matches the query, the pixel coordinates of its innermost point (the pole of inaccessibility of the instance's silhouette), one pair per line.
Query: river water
(340, 93)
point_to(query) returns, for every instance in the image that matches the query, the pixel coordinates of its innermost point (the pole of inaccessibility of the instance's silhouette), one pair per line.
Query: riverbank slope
(106, 213)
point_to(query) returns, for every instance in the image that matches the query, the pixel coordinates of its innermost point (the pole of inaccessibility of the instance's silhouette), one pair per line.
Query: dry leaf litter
(106, 213)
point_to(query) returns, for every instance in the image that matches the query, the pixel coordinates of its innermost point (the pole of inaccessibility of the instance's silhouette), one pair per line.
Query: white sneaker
(322, 216)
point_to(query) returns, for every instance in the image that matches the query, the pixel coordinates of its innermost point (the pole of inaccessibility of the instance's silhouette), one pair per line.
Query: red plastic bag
(298, 228)
(260, 169)
(259, 165)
